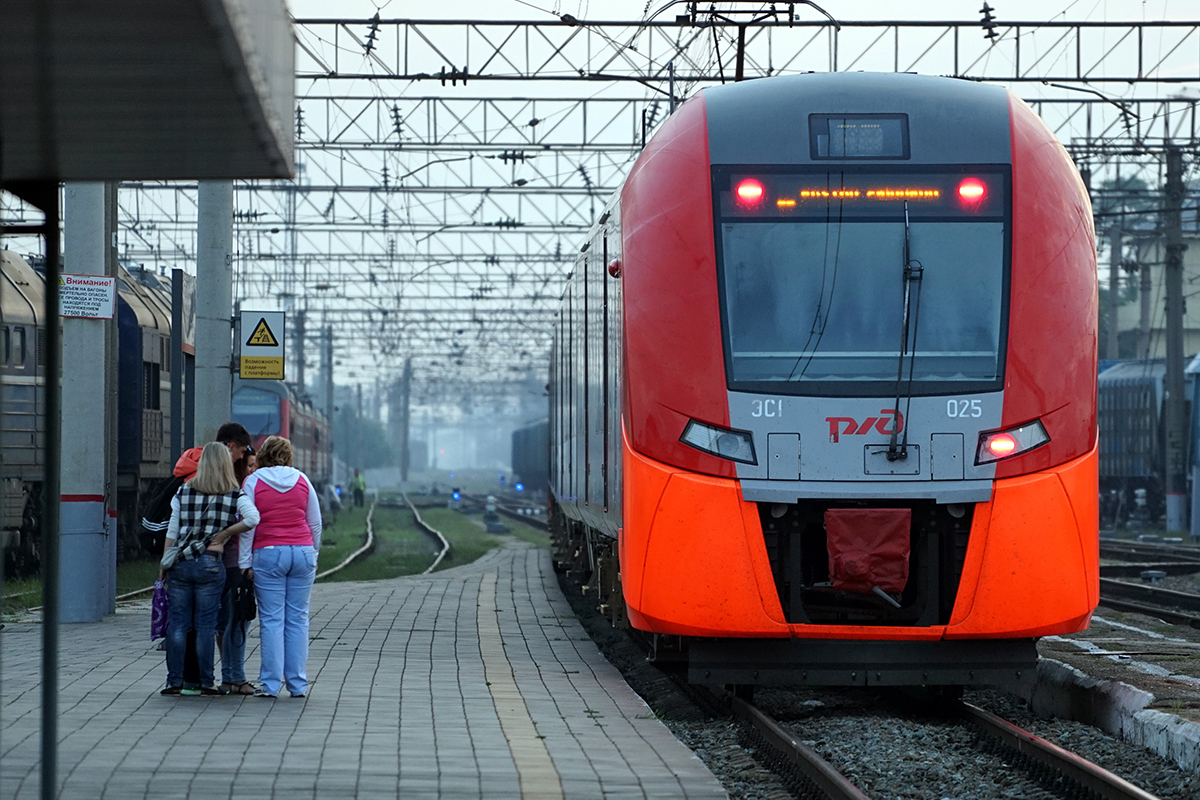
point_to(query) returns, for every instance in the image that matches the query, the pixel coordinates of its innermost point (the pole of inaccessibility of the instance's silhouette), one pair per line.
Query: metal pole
(405, 400)
(189, 404)
(51, 496)
(299, 347)
(1145, 293)
(671, 83)
(1114, 290)
(1176, 416)
(177, 364)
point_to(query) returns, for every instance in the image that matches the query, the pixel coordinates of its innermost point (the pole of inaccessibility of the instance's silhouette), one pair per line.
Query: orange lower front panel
(694, 562)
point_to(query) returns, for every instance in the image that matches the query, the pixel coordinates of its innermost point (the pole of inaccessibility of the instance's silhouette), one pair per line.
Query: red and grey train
(823, 386)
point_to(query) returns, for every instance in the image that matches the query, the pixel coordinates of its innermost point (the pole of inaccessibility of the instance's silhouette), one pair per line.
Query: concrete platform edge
(1116, 708)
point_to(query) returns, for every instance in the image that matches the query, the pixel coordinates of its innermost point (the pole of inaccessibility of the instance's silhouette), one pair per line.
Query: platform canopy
(145, 89)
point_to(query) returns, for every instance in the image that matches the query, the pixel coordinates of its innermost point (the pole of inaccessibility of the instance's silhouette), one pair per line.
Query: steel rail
(434, 532)
(820, 772)
(1099, 781)
(529, 519)
(1164, 614)
(1135, 570)
(366, 548)
(1136, 591)
(1139, 551)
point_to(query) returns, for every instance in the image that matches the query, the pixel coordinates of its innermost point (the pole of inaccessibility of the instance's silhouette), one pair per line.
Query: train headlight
(999, 445)
(721, 442)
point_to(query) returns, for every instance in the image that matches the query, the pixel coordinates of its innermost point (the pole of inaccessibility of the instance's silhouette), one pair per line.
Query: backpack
(156, 514)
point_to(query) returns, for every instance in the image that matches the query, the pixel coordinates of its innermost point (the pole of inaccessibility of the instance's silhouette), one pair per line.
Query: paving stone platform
(476, 682)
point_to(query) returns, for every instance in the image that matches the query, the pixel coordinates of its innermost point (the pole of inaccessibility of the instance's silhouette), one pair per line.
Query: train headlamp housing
(720, 442)
(999, 445)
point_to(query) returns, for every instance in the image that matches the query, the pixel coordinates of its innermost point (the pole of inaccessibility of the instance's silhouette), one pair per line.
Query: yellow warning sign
(269, 368)
(262, 336)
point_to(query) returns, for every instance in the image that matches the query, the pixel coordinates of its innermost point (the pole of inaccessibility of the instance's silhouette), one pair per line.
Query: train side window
(151, 391)
(7, 344)
(18, 347)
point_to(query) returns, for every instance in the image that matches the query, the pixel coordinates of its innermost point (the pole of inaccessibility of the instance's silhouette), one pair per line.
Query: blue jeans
(194, 587)
(283, 579)
(232, 632)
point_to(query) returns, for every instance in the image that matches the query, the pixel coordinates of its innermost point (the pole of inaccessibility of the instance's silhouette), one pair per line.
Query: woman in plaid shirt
(203, 516)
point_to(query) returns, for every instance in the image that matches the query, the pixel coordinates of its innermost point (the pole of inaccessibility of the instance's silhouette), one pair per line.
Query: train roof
(1136, 371)
(281, 388)
(766, 121)
(150, 303)
(22, 299)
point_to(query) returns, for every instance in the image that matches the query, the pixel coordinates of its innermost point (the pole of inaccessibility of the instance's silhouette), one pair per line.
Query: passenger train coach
(823, 386)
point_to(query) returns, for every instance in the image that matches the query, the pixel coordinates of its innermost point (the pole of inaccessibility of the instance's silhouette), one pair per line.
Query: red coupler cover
(868, 547)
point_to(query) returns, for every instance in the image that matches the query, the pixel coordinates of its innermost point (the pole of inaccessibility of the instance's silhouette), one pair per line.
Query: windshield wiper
(913, 270)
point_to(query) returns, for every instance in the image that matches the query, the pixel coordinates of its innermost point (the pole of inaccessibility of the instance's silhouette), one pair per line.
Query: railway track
(1059, 772)
(1168, 605)
(1149, 552)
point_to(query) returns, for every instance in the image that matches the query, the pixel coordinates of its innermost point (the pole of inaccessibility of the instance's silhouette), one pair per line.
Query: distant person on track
(204, 515)
(359, 485)
(280, 556)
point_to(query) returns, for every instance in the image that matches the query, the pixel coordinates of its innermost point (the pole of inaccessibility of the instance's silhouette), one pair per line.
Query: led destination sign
(975, 194)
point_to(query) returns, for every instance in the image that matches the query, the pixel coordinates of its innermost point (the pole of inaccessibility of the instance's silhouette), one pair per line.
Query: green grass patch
(468, 540)
(400, 547)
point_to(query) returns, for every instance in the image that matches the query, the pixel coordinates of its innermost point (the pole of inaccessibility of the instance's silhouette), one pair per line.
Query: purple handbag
(159, 607)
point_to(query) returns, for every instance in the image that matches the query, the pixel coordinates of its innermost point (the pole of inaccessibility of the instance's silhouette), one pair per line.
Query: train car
(22, 397)
(144, 365)
(1131, 413)
(274, 408)
(823, 402)
(531, 455)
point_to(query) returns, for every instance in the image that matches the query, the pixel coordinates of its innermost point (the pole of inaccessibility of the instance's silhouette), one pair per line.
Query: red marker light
(1001, 445)
(749, 193)
(972, 191)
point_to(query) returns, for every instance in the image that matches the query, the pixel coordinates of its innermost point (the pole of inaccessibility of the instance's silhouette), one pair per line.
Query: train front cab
(723, 537)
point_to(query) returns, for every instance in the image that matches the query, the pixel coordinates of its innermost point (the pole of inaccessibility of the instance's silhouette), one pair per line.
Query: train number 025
(964, 408)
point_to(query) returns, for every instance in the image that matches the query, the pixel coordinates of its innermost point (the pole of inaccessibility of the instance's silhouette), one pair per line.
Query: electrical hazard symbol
(262, 336)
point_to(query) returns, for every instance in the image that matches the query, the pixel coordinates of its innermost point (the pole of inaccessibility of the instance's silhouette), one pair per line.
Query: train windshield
(812, 279)
(257, 410)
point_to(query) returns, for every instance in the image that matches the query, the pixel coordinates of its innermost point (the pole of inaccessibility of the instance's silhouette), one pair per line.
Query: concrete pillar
(214, 308)
(88, 557)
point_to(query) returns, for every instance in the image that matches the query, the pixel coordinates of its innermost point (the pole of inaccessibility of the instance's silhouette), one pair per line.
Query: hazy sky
(1006, 10)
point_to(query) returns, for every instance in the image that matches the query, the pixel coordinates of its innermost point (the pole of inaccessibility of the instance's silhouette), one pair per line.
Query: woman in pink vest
(282, 551)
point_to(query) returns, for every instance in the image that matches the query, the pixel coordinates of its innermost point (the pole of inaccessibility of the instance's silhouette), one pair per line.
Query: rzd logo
(878, 423)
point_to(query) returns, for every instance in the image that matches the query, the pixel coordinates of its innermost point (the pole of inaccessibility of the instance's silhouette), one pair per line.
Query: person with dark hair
(233, 679)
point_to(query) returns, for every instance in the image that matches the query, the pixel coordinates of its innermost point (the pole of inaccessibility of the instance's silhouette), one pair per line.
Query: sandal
(171, 691)
(240, 687)
(210, 691)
